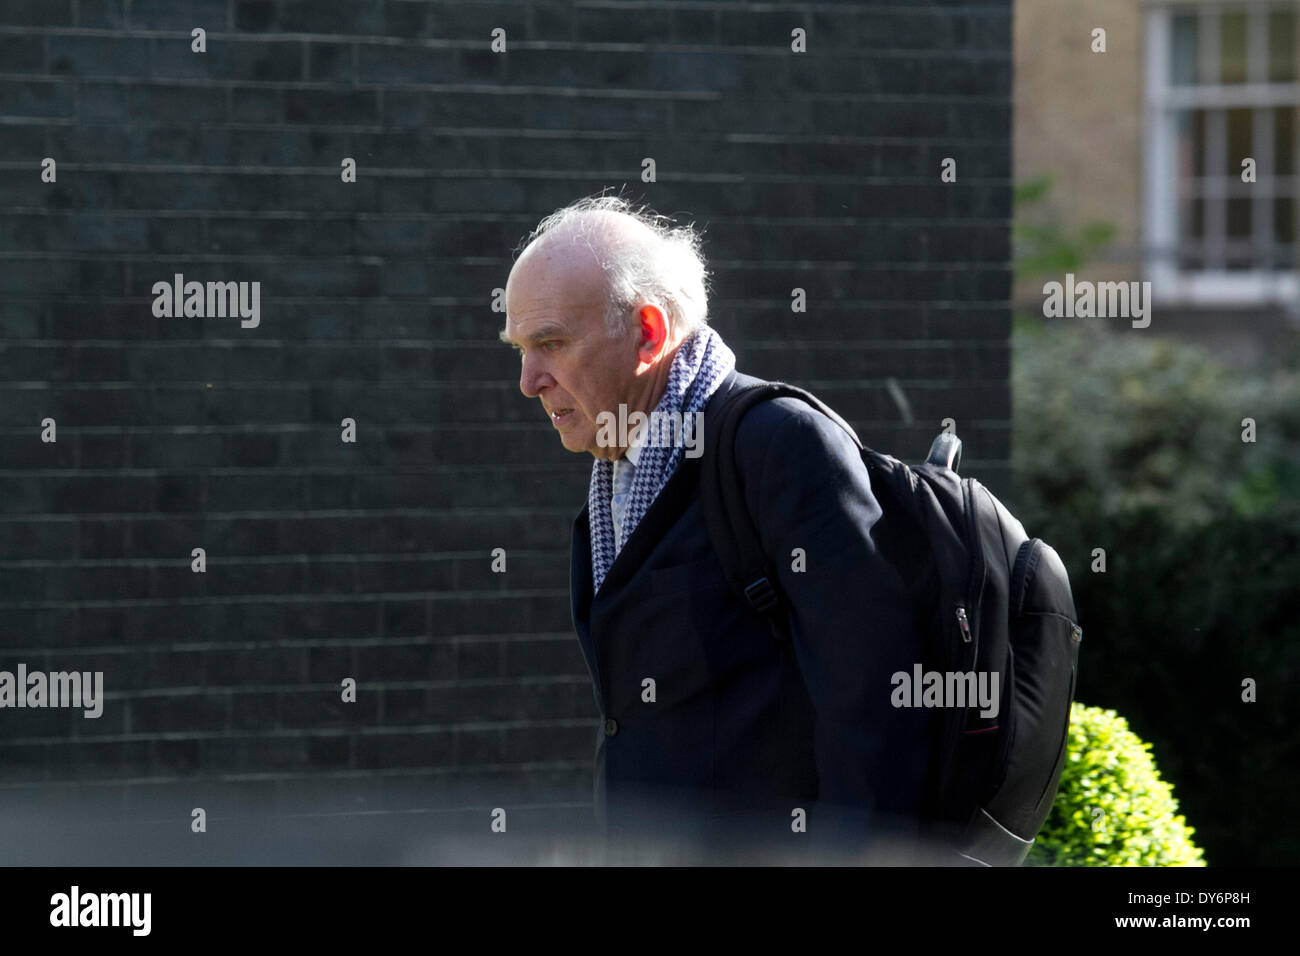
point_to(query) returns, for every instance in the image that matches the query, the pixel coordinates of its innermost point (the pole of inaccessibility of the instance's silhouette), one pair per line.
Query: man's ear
(654, 334)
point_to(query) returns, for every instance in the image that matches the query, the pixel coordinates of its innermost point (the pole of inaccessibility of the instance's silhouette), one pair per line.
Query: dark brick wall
(372, 560)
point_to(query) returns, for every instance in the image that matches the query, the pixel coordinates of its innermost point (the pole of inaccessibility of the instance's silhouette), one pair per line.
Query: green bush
(1106, 425)
(1132, 445)
(1112, 808)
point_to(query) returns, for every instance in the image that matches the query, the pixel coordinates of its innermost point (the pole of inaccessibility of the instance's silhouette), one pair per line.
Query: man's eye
(550, 346)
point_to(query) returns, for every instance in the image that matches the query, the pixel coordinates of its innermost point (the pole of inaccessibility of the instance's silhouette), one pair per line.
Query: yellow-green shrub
(1112, 808)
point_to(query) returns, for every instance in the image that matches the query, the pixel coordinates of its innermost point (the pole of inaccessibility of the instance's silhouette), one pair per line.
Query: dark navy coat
(746, 728)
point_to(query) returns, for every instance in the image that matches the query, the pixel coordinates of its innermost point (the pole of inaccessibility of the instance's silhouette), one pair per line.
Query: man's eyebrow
(545, 332)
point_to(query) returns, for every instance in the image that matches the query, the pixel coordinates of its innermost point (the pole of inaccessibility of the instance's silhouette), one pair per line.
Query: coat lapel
(667, 507)
(671, 502)
(580, 596)
(664, 511)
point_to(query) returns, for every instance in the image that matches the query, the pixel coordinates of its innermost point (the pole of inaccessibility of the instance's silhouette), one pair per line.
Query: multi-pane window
(1222, 94)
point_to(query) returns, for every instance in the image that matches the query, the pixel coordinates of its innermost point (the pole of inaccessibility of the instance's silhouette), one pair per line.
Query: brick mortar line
(191, 780)
(323, 732)
(413, 173)
(649, 94)
(296, 644)
(485, 132)
(783, 345)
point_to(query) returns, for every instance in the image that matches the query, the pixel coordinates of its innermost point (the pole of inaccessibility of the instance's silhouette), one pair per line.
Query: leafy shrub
(1109, 424)
(1133, 445)
(1112, 808)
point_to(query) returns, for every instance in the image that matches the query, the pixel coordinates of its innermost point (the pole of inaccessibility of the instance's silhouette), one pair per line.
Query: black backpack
(988, 598)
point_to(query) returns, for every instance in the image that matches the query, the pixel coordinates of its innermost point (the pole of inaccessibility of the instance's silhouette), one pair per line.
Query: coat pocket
(703, 575)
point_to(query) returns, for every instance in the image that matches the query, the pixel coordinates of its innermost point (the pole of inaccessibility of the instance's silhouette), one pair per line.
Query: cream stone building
(1184, 135)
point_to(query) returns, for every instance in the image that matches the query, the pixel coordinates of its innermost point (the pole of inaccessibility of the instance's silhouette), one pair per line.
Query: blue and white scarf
(702, 361)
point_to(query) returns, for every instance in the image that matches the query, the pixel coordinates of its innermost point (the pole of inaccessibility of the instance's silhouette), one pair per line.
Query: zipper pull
(963, 624)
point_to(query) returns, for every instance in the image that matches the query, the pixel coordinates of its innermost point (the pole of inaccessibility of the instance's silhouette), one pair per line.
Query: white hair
(657, 264)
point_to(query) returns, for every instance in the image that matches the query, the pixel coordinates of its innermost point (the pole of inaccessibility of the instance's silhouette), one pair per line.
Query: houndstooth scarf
(702, 361)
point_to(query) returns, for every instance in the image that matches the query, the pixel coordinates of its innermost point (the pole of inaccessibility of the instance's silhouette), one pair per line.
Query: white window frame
(1210, 287)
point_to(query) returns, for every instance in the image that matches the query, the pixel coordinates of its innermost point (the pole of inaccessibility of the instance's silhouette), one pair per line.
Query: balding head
(644, 258)
(589, 244)
(598, 303)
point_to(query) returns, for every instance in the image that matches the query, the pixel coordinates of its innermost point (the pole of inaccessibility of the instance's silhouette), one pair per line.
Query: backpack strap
(732, 530)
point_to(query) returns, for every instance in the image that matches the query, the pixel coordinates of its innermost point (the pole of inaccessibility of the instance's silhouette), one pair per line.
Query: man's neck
(660, 385)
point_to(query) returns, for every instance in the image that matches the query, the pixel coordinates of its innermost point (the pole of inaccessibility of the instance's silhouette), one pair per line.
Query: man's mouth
(561, 416)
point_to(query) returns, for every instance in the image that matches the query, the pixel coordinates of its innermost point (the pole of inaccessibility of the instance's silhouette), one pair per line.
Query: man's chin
(575, 443)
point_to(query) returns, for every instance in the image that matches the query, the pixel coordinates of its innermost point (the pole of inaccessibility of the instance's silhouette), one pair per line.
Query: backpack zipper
(963, 623)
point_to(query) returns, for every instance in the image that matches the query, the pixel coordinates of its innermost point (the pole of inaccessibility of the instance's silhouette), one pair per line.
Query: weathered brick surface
(371, 560)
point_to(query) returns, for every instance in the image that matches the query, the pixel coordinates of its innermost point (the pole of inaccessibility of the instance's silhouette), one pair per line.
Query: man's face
(555, 308)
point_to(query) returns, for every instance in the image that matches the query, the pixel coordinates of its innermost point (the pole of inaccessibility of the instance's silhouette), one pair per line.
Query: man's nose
(531, 378)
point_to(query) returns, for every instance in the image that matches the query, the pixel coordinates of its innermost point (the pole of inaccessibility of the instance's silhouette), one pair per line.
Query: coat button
(611, 727)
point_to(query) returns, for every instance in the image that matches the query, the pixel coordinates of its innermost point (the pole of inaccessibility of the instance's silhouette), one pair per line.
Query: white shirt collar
(633, 453)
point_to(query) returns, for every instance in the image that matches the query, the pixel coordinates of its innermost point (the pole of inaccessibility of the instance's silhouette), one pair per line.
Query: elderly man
(712, 730)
